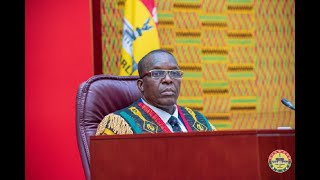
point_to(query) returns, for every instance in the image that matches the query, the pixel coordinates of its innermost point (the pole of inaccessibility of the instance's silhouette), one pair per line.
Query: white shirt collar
(164, 116)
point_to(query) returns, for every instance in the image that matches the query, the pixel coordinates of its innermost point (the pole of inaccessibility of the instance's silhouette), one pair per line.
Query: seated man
(156, 111)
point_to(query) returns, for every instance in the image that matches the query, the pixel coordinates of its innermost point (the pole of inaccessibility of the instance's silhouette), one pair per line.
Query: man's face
(160, 92)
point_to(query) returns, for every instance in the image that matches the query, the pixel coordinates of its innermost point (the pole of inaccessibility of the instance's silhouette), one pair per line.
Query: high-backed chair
(97, 97)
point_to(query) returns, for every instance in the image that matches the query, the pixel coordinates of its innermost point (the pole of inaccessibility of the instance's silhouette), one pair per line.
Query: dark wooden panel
(193, 156)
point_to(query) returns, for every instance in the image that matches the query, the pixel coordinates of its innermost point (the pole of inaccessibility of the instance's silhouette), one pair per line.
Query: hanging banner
(139, 34)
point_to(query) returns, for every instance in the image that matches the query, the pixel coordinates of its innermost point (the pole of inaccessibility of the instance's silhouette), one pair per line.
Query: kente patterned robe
(139, 118)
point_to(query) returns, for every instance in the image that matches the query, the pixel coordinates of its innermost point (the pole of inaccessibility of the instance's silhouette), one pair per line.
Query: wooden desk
(193, 156)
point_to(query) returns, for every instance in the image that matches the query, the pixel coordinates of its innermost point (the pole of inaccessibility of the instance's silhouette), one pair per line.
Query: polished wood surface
(200, 155)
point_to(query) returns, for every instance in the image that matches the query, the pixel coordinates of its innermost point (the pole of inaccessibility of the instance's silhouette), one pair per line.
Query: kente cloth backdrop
(238, 56)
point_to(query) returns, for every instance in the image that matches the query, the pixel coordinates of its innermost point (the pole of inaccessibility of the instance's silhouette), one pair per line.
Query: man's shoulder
(197, 116)
(115, 122)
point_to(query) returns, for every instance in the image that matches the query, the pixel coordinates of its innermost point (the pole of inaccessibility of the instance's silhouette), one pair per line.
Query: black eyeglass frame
(167, 72)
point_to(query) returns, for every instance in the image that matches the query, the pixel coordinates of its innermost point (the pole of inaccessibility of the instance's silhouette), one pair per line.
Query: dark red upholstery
(97, 97)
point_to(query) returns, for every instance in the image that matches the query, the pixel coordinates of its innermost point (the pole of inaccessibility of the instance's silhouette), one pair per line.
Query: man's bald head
(147, 61)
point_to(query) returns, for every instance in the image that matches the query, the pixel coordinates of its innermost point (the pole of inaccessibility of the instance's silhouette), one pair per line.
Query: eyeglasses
(159, 73)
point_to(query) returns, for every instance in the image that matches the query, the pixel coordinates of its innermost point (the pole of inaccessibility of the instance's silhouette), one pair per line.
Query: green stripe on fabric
(213, 18)
(165, 15)
(188, 41)
(195, 101)
(240, 75)
(239, 1)
(214, 84)
(214, 58)
(222, 126)
(192, 75)
(240, 41)
(243, 100)
(131, 122)
(207, 122)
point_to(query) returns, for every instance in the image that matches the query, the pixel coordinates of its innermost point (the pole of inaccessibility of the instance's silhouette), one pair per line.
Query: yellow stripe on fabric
(193, 98)
(190, 67)
(214, 26)
(108, 132)
(218, 116)
(221, 121)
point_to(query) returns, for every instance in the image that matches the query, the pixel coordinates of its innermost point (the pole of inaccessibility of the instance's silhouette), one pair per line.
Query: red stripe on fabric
(184, 120)
(155, 117)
